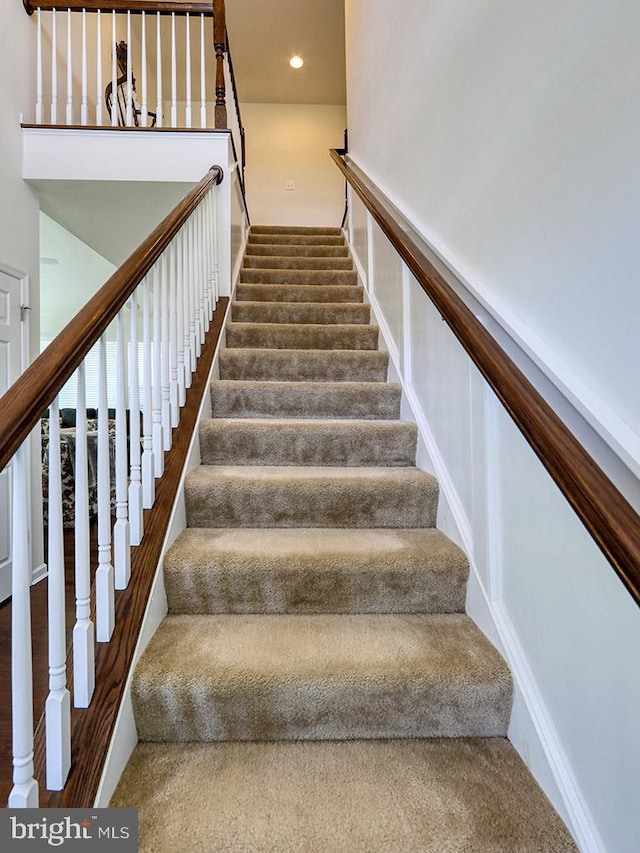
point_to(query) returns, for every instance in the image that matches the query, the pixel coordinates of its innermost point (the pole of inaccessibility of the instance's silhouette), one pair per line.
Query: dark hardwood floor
(40, 655)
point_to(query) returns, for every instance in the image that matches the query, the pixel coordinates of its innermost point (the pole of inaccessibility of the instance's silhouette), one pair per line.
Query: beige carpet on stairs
(316, 685)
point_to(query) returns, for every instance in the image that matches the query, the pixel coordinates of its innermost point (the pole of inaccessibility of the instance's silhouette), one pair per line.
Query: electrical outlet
(291, 185)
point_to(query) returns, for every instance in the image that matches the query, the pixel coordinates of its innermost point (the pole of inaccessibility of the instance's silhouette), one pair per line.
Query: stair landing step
(320, 677)
(327, 570)
(402, 796)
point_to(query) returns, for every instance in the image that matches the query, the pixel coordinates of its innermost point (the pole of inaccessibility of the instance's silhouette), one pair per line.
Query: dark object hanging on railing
(122, 94)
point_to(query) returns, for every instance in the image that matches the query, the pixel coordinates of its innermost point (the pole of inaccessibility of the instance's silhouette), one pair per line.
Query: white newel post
(83, 630)
(105, 594)
(121, 540)
(58, 703)
(24, 793)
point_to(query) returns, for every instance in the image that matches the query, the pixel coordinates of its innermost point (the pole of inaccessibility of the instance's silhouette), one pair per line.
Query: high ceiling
(264, 34)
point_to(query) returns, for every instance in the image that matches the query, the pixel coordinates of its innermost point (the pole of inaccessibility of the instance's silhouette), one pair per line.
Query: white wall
(290, 142)
(70, 274)
(509, 136)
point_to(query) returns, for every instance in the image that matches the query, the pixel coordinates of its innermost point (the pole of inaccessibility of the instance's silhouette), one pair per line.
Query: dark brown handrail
(30, 395)
(608, 517)
(165, 7)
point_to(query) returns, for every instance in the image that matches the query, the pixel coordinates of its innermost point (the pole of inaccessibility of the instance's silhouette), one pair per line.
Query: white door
(10, 368)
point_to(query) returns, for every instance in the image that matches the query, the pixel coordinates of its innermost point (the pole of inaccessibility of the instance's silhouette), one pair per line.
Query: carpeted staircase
(316, 685)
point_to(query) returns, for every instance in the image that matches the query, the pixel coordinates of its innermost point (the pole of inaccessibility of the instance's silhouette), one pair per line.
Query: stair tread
(265, 677)
(247, 398)
(289, 441)
(310, 570)
(404, 796)
(260, 363)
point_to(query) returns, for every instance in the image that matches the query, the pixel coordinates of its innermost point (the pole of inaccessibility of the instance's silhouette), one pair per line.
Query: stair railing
(610, 519)
(161, 301)
(170, 41)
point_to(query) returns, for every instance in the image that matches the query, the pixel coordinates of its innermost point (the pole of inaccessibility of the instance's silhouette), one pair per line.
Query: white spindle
(156, 382)
(69, 113)
(174, 267)
(186, 301)
(188, 71)
(174, 80)
(58, 704)
(84, 102)
(136, 527)
(54, 68)
(195, 302)
(148, 463)
(114, 72)
(38, 68)
(202, 271)
(99, 68)
(24, 793)
(144, 111)
(121, 540)
(165, 272)
(83, 630)
(181, 279)
(203, 76)
(129, 120)
(216, 266)
(158, 72)
(105, 595)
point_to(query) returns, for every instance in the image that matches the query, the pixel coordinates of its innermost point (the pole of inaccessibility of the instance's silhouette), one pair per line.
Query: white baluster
(54, 69)
(38, 68)
(188, 70)
(212, 249)
(158, 72)
(195, 304)
(69, 113)
(114, 72)
(165, 272)
(157, 434)
(216, 255)
(121, 540)
(136, 516)
(187, 301)
(148, 462)
(105, 595)
(174, 398)
(99, 68)
(24, 793)
(129, 113)
(202, 267)
(203, 76)
(209, 255)
(83, 630)
(181, 279)
(84, 102)
(174, 81)
(58, 704)
(144, 113)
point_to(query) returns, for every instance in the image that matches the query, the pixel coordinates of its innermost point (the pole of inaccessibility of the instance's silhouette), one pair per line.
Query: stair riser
(293, 312)
(347, 278)
(300, 230)
(286, 263)
(282, 249)
(368, 443)
(305, 400)
(314, 571)
(310, 336)
(299, 240)
(219, 500)
(298, 293)
(303, 365)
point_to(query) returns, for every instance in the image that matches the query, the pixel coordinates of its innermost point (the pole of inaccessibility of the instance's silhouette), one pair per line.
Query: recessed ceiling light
(296, 62)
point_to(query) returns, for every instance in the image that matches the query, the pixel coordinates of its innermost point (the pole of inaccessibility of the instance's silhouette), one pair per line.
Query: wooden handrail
(30, 395)
(609, 518)
(165, 7)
